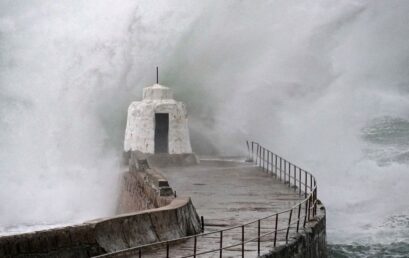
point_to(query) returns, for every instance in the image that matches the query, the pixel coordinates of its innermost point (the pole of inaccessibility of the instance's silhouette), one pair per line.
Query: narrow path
(230, 193)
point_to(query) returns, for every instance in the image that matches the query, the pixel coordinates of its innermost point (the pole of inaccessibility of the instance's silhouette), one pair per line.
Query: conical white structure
(157, 124)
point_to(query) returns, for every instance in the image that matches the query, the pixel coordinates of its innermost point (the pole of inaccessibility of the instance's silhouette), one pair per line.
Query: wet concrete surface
(228, 193)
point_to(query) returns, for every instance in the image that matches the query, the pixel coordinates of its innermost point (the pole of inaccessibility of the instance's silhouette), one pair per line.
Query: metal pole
(275, 232)
(242, 241)
(258, 239)
(252, 150)
(285, 169)
(295, 175)
(280, 167)
(221, 244)
(299, 179)
(276, 165)
(305, 184)
(305, 213)
(309, 206)
(167, 249)
(289, 174)
(140, 253)
(298, 220)
(288, 227)
(268, 160)
(194, 247)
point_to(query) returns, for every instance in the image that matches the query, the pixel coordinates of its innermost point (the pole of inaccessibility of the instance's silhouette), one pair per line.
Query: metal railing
(257, 232)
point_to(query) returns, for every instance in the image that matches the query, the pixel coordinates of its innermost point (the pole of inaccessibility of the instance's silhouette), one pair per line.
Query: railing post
(309, 207)
(221, 244)
(258, 237)
(288, 227)
(276, 165)
(268, 160)
(299, 180)
(289, 173)
(275, 232)
(280, 167)
(316, 199)
(295, 175)
(298, 217)
(256, 153)
(305, 184)
(167, 249)
(305, 213)
(263, 162)
(140, 252)
(242, 241)
(285, 169)
(194, 246)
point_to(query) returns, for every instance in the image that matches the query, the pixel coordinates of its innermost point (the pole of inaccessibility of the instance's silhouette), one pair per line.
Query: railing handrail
(258, 157)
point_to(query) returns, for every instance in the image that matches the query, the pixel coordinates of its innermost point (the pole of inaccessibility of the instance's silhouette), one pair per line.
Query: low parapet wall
(172, 218)
(142, 190)
(309, 243)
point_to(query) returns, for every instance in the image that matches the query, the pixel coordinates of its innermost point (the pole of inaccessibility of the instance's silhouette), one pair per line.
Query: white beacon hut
(157, 126)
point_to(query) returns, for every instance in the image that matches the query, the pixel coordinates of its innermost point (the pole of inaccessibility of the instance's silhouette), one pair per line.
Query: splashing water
(324, 83)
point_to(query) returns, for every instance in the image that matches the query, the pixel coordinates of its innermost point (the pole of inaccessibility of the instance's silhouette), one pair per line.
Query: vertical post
(298, 217)
(289, 173)
(256, 153)
(264, 151)
(242, 241)
(167, 249)
(258, 237)
(194, 246)
(311, 183)
(248, 150)
(268, 160)
(275, 231)
(157, 75)
(299, 180)
(221, 244)
(285, 169)
(202, 221)
(140, 252)
(276, 165)
(280, 167)
(316, 198)
(295, 175)
(288, 227)
(305, 213)
(309, 207)
(252, 150)
(305, 184)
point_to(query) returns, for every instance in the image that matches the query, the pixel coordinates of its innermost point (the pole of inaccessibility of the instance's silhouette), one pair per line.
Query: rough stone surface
(140, 128)
(142, 191)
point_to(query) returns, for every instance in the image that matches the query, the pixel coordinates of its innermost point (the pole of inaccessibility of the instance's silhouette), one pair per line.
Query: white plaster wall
(140, 128)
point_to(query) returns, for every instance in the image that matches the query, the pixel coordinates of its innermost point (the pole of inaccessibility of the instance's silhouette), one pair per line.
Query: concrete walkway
(228, 193)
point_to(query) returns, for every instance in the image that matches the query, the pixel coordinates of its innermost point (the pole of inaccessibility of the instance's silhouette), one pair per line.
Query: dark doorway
(161, 132)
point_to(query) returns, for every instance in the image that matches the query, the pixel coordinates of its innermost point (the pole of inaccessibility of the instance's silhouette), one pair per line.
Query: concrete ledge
(175, 220)
(309, 243)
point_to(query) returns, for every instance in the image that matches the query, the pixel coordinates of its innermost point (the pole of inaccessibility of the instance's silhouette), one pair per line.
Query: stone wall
(310, 243)
(153, 214)
(143, 190)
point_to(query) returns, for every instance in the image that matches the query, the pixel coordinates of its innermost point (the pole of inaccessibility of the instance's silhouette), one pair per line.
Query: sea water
(323, 83)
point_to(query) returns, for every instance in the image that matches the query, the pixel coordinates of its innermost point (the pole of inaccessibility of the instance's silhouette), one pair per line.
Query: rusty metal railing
(258, 231)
